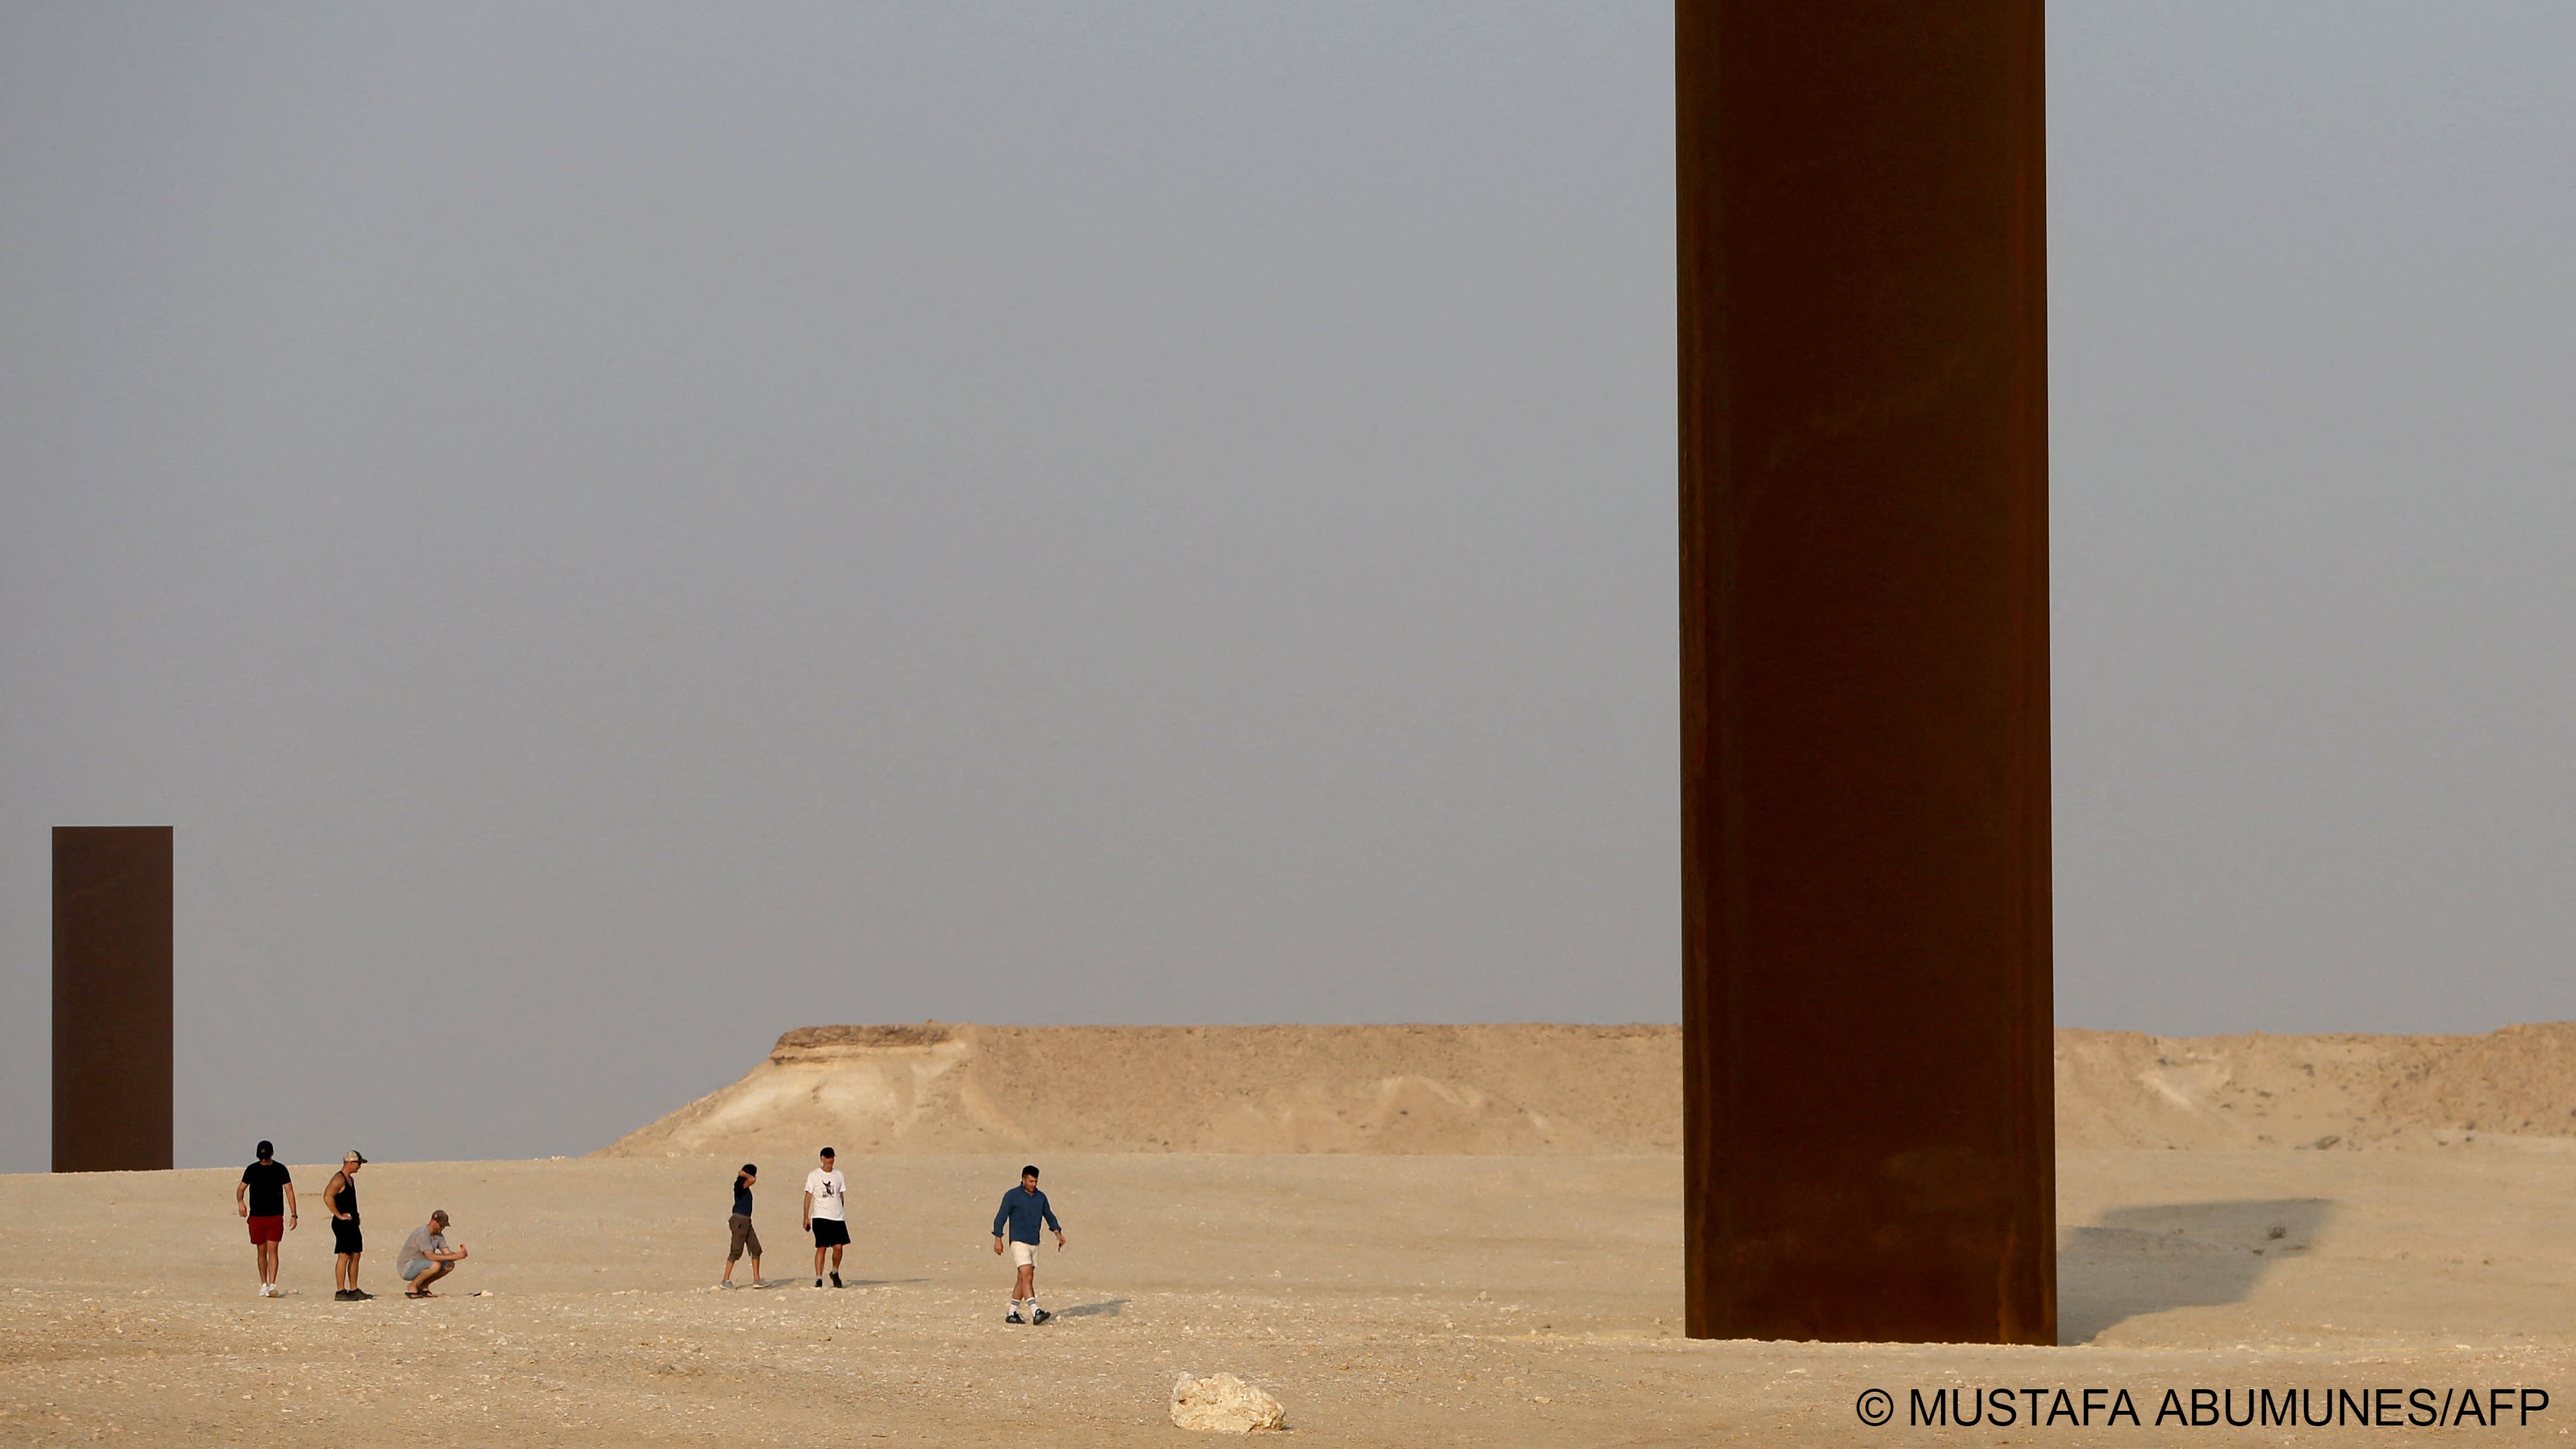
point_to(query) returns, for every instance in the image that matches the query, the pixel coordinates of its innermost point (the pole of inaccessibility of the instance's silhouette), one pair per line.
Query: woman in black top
(347, 1243)
(744, 1237)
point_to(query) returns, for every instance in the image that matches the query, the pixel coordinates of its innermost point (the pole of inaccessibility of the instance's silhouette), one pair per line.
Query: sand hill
(1540, 1089)
(1411, 1089)
(2127, 1089)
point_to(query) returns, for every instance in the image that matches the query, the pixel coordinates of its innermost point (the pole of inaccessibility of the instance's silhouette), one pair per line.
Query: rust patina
(1864, 671)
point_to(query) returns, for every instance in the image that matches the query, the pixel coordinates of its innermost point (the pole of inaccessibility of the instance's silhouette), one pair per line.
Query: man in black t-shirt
(266, 1199)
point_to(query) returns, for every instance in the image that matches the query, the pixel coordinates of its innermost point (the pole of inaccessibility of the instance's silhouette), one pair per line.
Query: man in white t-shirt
(827, 1215)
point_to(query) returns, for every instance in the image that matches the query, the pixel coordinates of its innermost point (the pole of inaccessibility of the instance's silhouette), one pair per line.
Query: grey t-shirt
(422, 1243)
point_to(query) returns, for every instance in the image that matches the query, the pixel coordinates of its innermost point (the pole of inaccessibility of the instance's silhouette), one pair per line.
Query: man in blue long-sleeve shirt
(1023, 1208)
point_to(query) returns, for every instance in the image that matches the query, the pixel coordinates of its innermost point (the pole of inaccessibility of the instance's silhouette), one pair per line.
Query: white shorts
(1023, 1254)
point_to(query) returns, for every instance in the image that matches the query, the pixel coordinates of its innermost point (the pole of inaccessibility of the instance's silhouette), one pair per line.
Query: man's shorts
(1023, 1254)
(413, 1268)
(830, 1232)
(345, 1237)
(744, 1236)
(268, 1230)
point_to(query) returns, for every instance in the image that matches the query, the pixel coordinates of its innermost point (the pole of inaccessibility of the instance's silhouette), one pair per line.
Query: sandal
(418, 1294)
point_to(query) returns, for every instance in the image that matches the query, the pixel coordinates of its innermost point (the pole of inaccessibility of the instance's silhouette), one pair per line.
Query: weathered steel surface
(112, 1002)
(1864, 671)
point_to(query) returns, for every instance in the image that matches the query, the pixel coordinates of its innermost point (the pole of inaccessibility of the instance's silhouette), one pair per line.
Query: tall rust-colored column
(1864, 579)
(112, 998)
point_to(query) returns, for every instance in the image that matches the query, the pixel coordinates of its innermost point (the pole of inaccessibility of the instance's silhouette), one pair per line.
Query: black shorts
(830, 1232)
(345, 1237)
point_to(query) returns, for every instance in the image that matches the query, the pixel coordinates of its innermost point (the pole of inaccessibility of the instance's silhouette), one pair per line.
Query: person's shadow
(2135, 1261)
(1107, 1308)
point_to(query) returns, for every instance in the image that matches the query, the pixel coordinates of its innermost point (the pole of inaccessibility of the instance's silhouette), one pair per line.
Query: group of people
(826, 1215)
(266, 1200)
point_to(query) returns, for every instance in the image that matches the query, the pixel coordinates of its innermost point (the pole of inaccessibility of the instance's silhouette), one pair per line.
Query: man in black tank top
(341, 1196)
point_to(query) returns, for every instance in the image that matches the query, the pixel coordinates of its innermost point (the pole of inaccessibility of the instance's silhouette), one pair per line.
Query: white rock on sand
(1225, 1404)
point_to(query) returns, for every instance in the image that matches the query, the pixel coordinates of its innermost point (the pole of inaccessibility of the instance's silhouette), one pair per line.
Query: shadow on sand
(2135, 1261)
(1107, 1308)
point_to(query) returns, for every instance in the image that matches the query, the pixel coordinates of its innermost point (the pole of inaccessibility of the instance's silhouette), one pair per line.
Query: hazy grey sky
(615, 531)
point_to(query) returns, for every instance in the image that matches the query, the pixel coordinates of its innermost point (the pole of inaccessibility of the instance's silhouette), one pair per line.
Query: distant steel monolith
(112, 998)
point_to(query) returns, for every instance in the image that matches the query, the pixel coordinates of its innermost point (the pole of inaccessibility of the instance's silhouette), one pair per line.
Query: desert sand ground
(1386, 1300)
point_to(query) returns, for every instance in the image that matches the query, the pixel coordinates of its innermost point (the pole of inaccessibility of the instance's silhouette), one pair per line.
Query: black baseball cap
(267, 1148)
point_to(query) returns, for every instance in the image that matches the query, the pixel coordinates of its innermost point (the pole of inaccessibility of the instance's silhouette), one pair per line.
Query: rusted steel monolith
(1864, 671)
(112, 1002)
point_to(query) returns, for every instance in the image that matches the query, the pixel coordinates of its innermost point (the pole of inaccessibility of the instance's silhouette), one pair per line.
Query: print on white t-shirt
(830, 1191)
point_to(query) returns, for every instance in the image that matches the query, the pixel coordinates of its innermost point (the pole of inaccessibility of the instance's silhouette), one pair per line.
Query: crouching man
(426, 1258)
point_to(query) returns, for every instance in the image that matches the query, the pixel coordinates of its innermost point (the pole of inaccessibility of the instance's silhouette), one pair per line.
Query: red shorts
(267, 1230)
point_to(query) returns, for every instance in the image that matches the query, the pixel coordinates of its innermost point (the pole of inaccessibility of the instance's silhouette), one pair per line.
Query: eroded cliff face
(2345, 1091)
(1545, 1089)
(1411, 1089)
